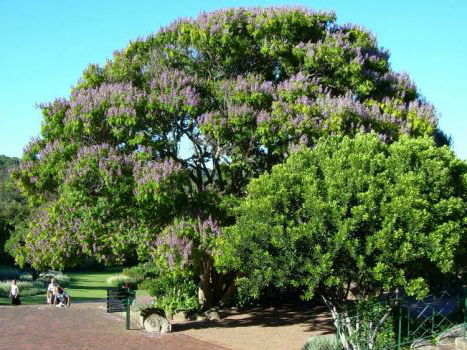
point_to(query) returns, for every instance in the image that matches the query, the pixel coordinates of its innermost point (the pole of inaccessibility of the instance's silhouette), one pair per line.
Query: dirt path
(83, 326)
(284, 328)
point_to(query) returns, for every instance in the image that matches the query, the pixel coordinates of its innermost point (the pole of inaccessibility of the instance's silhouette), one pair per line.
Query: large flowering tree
(240, 89)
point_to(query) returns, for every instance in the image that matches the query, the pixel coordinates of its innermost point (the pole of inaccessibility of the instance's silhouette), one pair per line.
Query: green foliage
(174, 292)
(370, 325)
(393, 213)
(118, 280)
(60, 278)
(320, 342)
(9, 273)
(12, 205)
(138, 274)
(25, 288)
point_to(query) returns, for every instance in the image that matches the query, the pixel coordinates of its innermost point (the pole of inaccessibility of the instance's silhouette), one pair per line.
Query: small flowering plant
(187, 242)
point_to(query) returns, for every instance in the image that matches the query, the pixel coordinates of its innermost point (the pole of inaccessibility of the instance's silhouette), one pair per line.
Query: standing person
(50, 292)
(14, 293)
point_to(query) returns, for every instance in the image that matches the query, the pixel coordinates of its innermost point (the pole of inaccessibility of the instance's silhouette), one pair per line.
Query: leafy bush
(146, 284)
(25, 288)
(25, 277)
(33, 291)
(368, 314)
(320, 342)
(174, 292)
(139, 273)
(60, 278)
(118, 280)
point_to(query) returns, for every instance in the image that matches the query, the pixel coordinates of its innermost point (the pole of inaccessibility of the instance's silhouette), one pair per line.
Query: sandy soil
(285, 327)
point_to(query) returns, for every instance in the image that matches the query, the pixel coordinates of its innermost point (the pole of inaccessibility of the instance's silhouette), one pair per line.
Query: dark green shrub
(9, 273)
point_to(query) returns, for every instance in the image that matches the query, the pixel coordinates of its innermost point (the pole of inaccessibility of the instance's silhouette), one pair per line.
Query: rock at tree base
(447, 338)
(212, 315)
(157, 323)
(180, 316)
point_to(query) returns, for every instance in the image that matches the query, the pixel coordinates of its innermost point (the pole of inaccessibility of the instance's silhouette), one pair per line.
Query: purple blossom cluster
(33, 144)
(209, 227)
(175, 89)
(214, 118)
(338, 39)
(299, 85)
(173, 246)
(24, 166)
(212, 22)
(423, 110)
(243, 97)
(50, 234)
(348, 105)
(153, 171)
(50, 148)
(55, 107)
(400, 83)
(108, 159)
(118, 99)
(249, 85)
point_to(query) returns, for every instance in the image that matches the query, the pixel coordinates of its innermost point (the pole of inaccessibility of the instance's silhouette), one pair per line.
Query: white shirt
(14, 290)
(51, 288)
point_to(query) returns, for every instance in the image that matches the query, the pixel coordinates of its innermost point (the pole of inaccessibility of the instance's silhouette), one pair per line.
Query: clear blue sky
(45, 45)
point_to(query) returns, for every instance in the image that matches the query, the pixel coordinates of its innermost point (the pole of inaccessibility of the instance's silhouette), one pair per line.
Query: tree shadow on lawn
(314, 317)
(81, 287)
(81, 300)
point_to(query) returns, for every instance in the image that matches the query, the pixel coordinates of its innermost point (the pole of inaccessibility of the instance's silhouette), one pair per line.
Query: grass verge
(85, 286)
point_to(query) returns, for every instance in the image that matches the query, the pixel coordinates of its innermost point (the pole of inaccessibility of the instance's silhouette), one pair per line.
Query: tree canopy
(240, 88)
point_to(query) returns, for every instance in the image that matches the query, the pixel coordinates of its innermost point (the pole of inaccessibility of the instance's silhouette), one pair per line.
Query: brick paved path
(83, 326)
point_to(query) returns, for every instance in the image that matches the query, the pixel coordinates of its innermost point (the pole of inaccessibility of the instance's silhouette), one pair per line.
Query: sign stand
(128, 303)
(119, 300)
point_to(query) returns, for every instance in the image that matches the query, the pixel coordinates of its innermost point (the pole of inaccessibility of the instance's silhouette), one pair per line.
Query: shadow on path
(314, 316)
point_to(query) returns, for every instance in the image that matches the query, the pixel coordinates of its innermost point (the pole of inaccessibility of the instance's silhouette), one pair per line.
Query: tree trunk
(35, 274)
(215, 289)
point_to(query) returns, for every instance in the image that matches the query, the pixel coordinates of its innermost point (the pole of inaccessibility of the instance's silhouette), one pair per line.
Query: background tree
(242, 88)
(352, 216)
(13, 208)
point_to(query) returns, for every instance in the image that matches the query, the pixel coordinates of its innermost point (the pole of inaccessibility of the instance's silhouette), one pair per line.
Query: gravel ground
(286, 327)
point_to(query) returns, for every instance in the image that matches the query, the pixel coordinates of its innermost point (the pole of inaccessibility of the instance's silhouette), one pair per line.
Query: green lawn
(84, 286)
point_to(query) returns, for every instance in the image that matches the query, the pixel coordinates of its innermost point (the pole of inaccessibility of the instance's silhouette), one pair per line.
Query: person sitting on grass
(61, 297)
(14, 293)
(50, 292)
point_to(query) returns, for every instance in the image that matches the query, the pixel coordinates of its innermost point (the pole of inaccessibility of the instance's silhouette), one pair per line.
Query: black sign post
(119, 300)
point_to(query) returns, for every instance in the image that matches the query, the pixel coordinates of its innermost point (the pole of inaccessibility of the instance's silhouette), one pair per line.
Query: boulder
(422, 345)
(461, 344)
(154, 320)
(212, 315)
(448, 336)
(157, 323)
(444, 340)
(180, 316)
